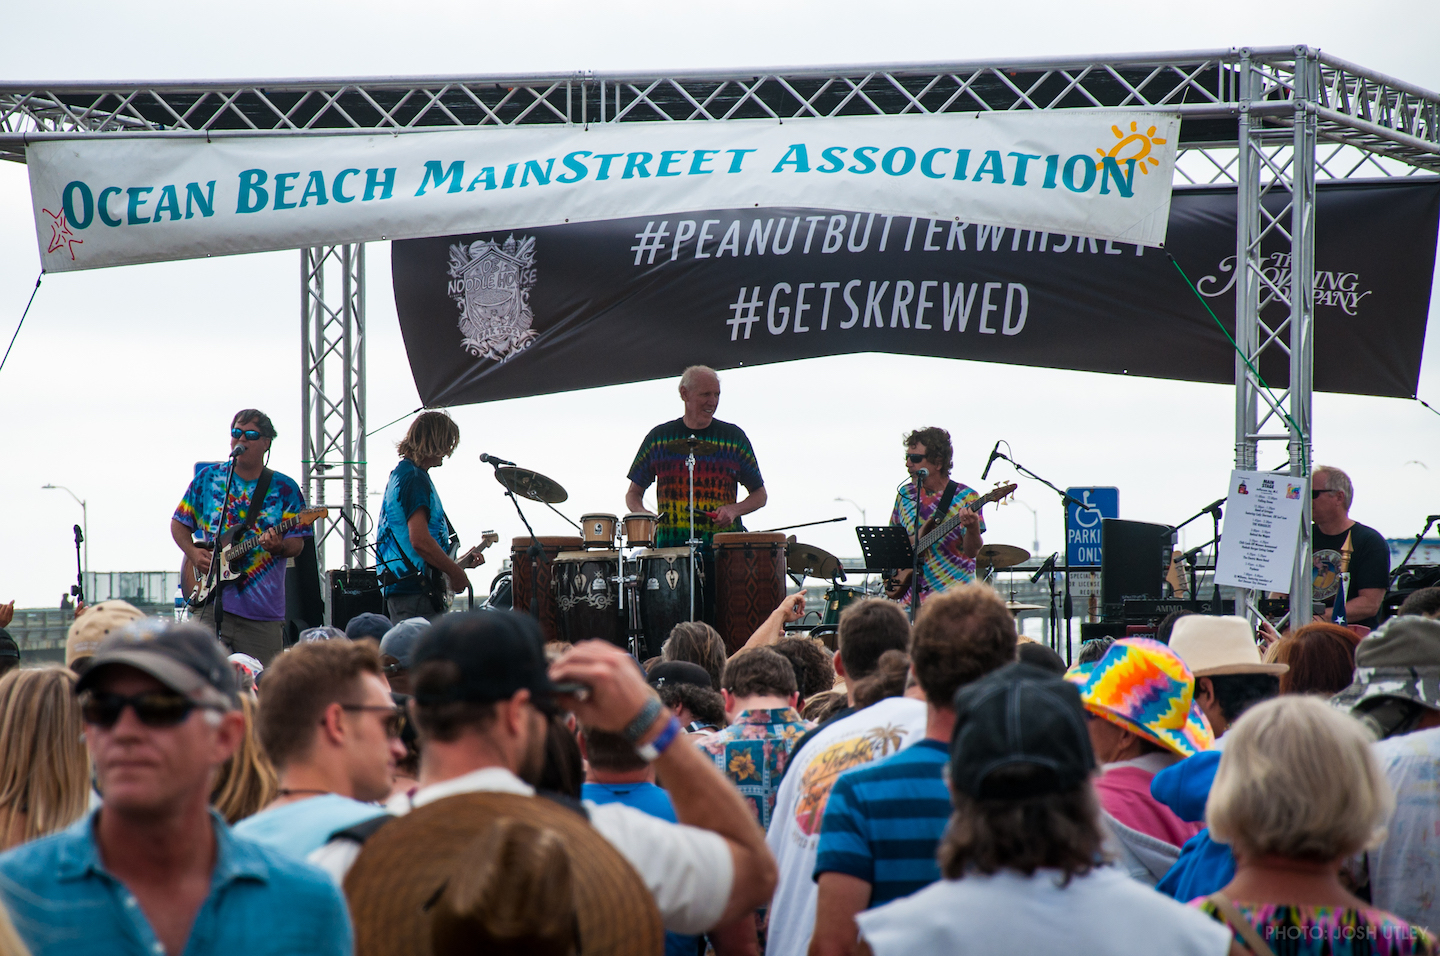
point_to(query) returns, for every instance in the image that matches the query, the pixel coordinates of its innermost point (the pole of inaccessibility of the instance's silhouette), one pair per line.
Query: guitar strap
(257, 498)
(951, 490)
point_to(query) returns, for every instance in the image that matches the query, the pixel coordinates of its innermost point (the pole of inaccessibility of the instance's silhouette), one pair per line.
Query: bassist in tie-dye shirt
(253, 621)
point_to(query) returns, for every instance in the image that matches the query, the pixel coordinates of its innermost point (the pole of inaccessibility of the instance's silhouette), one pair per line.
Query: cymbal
(682, 446)
(809, 561)
(1001, 556)
(531, 484)
(1013, 606)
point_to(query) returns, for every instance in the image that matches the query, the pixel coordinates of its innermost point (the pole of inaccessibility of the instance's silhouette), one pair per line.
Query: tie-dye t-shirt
(1327, 930)
(259, 594)
(944, 565)
(716, 477)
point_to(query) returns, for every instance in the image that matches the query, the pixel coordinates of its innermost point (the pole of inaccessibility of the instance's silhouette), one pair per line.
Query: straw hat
(1211, 646)
(1144, 687)
(400, 882)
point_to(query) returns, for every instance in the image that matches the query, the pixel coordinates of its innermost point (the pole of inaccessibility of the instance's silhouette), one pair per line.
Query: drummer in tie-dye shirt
(717, 475)
(951, 561)
(253, 619)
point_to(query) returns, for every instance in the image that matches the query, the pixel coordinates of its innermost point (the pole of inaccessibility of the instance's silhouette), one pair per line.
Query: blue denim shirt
(64, 903)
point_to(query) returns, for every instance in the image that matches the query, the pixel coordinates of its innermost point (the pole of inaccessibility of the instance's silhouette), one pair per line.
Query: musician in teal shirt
(414, 538)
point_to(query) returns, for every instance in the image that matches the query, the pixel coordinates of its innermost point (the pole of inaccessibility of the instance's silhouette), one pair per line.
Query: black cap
(1019, 715)
(497, 653)
(183, 657)
(679, 672)
(8, 647)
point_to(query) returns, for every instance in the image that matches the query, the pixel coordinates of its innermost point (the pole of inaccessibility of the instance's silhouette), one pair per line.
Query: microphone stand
(1395, 574)
(1066, 500)
(534, 551)
(216, 547)
(1213, 509)
(1048, 569)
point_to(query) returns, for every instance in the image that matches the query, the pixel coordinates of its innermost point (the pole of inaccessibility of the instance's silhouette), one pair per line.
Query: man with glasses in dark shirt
(252, 616)
(1340, 544)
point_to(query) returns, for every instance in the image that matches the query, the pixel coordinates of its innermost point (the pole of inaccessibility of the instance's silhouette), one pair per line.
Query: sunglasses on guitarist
(158, 709)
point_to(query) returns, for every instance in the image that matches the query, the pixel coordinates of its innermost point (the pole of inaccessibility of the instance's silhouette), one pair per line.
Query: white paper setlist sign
(1262, 528)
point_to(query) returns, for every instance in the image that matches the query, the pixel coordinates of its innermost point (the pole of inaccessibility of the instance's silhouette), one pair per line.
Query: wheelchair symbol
(1089, 516)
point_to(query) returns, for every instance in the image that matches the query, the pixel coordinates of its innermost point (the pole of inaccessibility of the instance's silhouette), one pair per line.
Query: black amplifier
(1146, 612)
(354, 591)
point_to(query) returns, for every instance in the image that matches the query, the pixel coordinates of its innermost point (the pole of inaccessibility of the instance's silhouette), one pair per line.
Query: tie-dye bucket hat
(1144, 687)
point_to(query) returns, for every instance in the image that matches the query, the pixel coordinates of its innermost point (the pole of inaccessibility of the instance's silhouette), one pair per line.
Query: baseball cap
(183, 657)
(92, 626)
(323, 632)
(496, 652)
(679, 672)
(367, 624)
(1019, 715)
(399, 641)
(1213, 646)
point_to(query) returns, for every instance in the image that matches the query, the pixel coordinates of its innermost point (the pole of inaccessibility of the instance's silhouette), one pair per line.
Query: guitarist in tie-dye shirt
(253, 621)
(717, 475)
(950, 561)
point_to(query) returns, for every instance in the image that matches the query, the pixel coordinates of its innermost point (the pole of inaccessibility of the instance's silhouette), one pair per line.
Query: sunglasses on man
(915, 459)
(157, 708)
(1316, 494)
(249, 434)
(394, 717)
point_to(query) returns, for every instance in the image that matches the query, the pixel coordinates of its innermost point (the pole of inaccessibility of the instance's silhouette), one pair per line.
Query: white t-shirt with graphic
(877, 731)
(1405, 869)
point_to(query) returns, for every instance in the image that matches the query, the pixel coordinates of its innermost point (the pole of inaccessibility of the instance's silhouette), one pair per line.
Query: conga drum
(587, 596)
(523, 590)
(749, 581)
(665, 593)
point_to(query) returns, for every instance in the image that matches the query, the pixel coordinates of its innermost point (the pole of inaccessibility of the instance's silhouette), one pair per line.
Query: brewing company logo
(1340, 290)
(1142, 142)
(490, 282)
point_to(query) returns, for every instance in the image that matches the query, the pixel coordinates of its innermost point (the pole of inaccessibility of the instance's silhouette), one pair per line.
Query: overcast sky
(114, 388)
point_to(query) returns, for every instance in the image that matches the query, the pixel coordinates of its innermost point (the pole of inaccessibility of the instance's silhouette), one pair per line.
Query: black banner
(565, 307)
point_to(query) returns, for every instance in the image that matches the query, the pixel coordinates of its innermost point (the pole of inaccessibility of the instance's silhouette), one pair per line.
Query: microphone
(1213, 506)
(492, 460)
(1432, 519)
(923, 472)
(1045, 568)
(994, 453)
(237, 451)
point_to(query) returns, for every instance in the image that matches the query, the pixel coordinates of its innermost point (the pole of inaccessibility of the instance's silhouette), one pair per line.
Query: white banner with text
(114, 200)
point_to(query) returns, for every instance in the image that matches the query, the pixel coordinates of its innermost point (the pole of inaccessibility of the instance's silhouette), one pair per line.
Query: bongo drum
(524, 590)
(587, 596)
(640, 530)
(749, 581)
(599, 530)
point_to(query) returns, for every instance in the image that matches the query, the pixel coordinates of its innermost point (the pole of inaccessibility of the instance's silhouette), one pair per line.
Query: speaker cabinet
(1133, 560)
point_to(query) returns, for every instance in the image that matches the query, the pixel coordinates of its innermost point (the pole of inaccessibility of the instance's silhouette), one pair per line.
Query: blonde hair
(1298, 779)
(430, 435)
(247, 781)
(44, 767)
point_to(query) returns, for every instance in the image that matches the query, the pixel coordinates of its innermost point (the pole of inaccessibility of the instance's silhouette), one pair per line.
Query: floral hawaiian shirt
(753, 751)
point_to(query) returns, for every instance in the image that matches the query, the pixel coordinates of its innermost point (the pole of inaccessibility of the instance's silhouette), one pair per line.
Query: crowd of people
(456, 784)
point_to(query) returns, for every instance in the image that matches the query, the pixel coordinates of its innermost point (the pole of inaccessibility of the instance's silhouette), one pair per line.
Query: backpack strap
(1240, 924)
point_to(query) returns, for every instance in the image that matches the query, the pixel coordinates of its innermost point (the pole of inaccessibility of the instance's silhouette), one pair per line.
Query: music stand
(887, 546)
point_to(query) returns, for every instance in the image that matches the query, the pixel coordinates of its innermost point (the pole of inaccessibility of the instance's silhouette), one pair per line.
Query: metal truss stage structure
(1270, 122)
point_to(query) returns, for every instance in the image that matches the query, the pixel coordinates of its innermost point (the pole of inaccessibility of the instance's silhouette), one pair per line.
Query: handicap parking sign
(1082, 524)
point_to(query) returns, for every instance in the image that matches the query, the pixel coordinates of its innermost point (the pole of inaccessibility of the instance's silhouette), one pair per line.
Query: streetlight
(1035, 517)
(84, 519)
(863, 519)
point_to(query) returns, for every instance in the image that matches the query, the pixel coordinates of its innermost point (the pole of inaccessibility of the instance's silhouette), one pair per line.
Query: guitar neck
(239, 551)
(953, 522)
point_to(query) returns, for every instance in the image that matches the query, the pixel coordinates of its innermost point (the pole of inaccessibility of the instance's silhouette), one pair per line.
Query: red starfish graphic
(60, 234)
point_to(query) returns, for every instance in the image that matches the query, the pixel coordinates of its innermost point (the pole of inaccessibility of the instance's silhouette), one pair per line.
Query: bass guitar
(437, 582)
(199, 587)
(898, 583)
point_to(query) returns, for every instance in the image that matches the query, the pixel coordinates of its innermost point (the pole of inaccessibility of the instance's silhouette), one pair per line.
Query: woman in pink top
(1143, 718)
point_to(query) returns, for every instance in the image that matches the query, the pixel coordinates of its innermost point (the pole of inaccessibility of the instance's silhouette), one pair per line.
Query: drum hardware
(807, 561)
(521, 482)
(993, 557)
(1015, 607)
(690, 446)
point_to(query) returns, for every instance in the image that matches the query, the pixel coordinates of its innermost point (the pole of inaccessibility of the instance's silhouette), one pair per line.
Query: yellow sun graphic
(1144, 141)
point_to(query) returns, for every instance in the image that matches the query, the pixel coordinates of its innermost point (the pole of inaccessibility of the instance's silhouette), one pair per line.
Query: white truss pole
(1248, 261)
(1302, 315)
(332, 391)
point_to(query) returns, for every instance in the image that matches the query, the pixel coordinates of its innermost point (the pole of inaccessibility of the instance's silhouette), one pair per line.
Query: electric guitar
(897, 584)
(199, 587)
(437, 582)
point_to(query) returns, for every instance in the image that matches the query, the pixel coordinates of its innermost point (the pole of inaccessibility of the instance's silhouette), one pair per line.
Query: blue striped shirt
(884, 822)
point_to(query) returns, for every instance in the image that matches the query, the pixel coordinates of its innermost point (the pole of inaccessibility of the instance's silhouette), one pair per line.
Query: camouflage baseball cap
(1398, 660)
